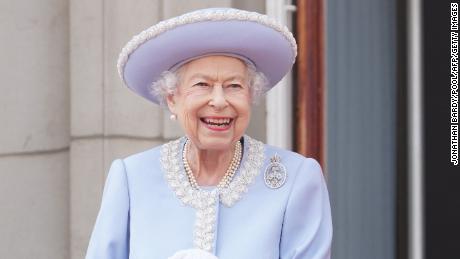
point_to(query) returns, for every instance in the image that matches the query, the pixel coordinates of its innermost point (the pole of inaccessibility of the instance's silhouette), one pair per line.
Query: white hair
(169, 80)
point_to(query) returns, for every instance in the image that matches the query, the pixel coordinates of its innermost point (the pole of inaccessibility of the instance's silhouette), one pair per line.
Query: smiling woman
(213, 102)
(215, 192)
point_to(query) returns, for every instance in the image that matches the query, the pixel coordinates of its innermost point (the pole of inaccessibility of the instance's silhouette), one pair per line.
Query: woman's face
(212, 101)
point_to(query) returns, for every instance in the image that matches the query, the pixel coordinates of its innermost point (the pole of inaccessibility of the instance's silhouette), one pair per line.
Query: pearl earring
(173, 117)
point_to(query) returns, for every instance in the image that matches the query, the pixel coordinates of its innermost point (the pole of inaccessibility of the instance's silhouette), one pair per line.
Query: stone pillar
(34, 136)
(108, 120)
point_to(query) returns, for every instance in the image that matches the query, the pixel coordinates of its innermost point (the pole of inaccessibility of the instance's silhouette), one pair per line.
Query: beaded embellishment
(205, 201)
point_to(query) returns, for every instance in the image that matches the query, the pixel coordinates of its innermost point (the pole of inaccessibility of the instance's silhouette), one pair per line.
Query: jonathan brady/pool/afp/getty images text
(454, 83)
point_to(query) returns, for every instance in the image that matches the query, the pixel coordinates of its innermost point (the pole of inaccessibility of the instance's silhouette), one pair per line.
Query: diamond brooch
(275, 174)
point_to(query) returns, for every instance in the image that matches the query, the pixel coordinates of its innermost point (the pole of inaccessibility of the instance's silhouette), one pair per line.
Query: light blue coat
(143, 216)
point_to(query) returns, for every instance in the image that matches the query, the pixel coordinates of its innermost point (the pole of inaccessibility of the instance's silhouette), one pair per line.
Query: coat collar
(252, 161)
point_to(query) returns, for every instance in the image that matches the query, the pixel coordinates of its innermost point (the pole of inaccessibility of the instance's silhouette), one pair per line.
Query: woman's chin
(216, 138)
(216, 143)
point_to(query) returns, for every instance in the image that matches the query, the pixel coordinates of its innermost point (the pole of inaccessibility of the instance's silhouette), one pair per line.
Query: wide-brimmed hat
(254, 37)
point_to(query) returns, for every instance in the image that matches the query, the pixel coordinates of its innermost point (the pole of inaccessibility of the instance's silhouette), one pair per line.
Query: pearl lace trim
(205, 201)
(200, 16)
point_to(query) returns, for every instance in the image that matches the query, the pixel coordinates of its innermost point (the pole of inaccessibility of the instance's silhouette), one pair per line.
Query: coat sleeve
(110, 237)
(307, 226)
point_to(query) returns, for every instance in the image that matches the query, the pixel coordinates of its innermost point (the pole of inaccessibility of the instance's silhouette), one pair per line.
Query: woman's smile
(216, 123)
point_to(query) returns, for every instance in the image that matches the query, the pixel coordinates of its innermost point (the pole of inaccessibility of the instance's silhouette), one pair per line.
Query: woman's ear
(171, 101)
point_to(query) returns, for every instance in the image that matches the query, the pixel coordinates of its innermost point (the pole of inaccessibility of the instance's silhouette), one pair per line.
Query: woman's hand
(193, 254)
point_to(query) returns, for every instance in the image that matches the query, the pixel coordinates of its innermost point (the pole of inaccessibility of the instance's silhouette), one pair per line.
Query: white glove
(194, 253)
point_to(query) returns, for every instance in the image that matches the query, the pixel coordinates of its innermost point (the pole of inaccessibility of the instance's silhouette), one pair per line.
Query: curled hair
(168, 81)
(164, 86)
(258, 82)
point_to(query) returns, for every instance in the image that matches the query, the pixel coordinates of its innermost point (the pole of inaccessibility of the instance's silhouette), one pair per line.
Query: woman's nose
(218, 99)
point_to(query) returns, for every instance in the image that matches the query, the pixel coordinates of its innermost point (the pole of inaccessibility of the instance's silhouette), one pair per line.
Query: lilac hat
(251, 36)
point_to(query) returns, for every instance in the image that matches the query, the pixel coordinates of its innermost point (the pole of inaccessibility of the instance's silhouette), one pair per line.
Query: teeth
(217, 121)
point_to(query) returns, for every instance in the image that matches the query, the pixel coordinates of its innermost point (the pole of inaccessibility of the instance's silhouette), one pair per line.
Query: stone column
(108, 120)
(34, 136)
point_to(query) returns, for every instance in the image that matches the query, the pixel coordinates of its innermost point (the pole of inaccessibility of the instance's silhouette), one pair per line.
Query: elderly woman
(216, 192)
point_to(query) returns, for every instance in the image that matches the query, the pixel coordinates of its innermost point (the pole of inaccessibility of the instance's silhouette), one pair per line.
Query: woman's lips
(217, 123)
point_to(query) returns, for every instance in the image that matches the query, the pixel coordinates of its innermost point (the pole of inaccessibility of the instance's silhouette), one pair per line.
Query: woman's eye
(203, 84)
(235, 86)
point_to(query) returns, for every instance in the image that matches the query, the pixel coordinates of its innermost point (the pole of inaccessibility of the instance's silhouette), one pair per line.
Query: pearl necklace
(234, 164)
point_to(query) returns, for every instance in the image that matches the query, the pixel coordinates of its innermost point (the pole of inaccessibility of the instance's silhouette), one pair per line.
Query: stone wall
(34, 132)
